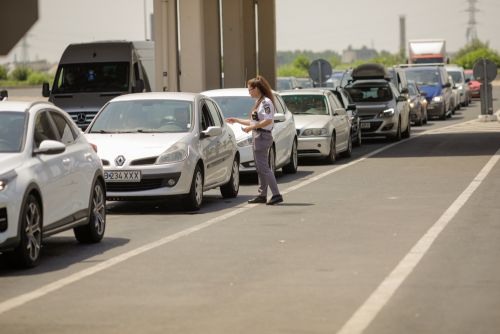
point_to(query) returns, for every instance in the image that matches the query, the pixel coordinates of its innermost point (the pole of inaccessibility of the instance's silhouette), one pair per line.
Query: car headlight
(175, 153)
(6, 178)
(412, 105)
(387, 113)
(315, 132)
(437, 98)
(248, 141)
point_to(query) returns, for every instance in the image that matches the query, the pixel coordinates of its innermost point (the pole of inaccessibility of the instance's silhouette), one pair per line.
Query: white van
(91, 74)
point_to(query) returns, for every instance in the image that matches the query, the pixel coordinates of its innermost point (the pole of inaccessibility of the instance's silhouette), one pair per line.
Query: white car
(237, 102)
(51, 180)
(322, 123)
(155, 145)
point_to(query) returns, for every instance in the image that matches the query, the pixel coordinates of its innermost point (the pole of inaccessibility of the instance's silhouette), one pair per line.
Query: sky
(315, 25)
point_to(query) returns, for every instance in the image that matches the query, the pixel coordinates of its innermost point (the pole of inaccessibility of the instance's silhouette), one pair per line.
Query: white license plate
(122, 176)
(365, 125)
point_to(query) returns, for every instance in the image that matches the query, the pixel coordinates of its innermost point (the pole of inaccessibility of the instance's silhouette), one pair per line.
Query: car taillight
(94, 147)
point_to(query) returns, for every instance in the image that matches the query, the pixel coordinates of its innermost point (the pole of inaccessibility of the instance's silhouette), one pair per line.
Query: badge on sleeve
(267, 108)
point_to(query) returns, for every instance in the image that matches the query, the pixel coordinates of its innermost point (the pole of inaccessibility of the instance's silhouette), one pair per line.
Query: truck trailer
(425, 51)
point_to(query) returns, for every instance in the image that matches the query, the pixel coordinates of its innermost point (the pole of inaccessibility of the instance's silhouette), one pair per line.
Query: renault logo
(81, 118)
(120, 160)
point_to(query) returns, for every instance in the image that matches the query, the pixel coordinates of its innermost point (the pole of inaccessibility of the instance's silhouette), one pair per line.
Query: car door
(78, 161)
(52, 172)
(223, 163)
(341, 121)
(209, 146)
(281, 133)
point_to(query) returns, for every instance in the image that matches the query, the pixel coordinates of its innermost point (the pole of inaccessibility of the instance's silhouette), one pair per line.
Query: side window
(206, 120)
(336, 104)
(215, 113)
(43, 129)
(279, 104)
(63, 128)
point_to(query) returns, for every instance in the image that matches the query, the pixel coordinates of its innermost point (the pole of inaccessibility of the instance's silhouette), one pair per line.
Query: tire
(397, 136)
(292, 166)
(93, 231)
(407, 132)
(358, 141)
(332, 155)
(443, 116)
(348, 152)
(195, 196)
(230, 189)
(27, 253)
(272, 159)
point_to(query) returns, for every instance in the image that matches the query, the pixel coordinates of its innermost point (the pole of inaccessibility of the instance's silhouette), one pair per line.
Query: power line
(471, 32)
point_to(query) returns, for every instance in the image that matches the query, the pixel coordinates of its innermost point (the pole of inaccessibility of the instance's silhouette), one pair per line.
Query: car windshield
(11, 131)
(457, 76)
(469, 75)
(370, 93)
(306, 104)
(424, 77)
(149, 116)
(285, 84)
(92, 77)
(235, 106)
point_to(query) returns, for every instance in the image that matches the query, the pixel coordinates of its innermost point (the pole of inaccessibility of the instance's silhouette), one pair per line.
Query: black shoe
(275, 200)
(258, 199)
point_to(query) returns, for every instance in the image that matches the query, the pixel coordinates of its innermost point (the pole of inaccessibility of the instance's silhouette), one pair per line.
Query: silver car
(457, 73)
(163, 144)
(323, 125)
(237, 102)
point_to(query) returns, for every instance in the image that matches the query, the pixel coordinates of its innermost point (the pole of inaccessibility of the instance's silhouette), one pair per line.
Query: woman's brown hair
(263, 86)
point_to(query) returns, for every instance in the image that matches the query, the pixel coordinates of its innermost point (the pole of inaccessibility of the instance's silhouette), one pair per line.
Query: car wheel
(292, 166)
(397, 136)
(358, 139)
(407, 132)
(348, 152)
(93, 231)
(195, 196)
(230, 189)
(27, 253)
(332, 155)
(272, 159)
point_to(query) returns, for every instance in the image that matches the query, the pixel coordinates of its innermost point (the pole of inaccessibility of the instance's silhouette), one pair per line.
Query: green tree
(474, 45)
(302, 63)
(3, 72)
(468, 59)
(21, 73)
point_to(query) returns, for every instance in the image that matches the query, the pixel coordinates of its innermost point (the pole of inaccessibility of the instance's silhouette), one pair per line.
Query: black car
(418, 104)
(348, 104)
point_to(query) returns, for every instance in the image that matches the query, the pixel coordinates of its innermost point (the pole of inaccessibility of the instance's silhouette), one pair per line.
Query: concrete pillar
(267, 40)
(199, 46)
(166, 55)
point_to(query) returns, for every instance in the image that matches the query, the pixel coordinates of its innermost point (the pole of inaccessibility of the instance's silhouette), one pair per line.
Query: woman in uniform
(261, 123)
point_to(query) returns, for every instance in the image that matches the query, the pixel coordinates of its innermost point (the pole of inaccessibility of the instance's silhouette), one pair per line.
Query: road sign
(320, 70)
(484, 70)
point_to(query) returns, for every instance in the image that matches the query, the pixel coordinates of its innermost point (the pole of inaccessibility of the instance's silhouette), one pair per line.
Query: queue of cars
(54, 177)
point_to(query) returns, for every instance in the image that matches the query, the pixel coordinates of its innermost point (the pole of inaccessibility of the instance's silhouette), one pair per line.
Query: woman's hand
(247, 129)
(231, 120)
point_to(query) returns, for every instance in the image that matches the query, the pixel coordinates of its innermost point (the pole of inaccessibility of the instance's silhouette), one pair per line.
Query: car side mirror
(211, 131)
(447, 85)
(45, 89)
(467, 80)
(50, 147)
(351, 106)
(404, 91)
(423, 93)
(401, 98)
(3, 94)
(279, 117)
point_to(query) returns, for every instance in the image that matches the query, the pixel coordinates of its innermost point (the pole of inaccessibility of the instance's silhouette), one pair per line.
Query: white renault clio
(156, 145)
(51, 180)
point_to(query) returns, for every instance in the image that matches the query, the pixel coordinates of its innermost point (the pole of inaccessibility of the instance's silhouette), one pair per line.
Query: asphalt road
(400, 238)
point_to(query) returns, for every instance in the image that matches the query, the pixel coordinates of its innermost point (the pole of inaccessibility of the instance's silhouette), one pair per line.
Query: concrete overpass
(199, 44)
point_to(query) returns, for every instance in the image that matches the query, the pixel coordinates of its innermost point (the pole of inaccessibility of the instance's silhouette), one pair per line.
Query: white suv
(51, 180)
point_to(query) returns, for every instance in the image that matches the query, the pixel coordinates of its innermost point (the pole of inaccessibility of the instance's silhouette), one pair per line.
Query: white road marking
(20, 300)
(365, 314)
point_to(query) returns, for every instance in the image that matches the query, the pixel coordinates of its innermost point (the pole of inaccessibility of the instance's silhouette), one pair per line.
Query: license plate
(122, 176)
(365, 125)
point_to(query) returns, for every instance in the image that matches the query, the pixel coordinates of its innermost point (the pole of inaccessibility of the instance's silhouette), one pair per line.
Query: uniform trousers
(262, 141)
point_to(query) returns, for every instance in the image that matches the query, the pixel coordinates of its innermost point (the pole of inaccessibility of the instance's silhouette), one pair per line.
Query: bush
(292, 71)
(468, 60)
(37, 78)
(20, 73)
(3, 73)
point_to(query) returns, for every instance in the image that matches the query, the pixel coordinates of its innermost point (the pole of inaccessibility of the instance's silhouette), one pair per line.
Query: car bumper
(313, 146)
(435, 109)
(156, 181)
(247, 162)
(10, 205)
(379, 127)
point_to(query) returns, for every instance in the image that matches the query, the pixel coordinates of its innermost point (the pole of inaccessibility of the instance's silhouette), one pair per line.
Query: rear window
(306, 104)
(370, 93)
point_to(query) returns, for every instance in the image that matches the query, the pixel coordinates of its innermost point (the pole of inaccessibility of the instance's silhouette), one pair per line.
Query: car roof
(19, 106)
(157, 96)
(227, 92)
(371, 82)
(306, 91)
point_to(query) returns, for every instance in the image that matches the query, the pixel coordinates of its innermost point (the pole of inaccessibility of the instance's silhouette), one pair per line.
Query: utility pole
(471, 32)
(24, 50)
